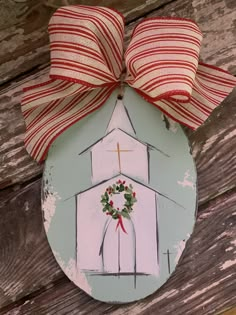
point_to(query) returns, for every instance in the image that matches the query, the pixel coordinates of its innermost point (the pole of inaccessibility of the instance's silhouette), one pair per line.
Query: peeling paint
(233, 242)
(224, 234)
(230, 135)
(179, 248)
(14, 312)
(27, 206)
(213, 246)
(140, 7)
(173, 125)
(49, 208)
(229, 249)
(204, 303)
(188, 285)
(20, 61)
(13, 288)
(186, 182)
(72, 272)
(210, 142)
(204, 215)
(199, 292)
(166, 295)
(228, 264)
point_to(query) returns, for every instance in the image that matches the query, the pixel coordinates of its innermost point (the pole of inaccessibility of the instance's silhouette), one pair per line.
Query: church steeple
(120, 119)
(119, 151)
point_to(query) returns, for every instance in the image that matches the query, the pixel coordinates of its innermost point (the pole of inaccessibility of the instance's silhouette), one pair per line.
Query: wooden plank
(202, 284)
(23, 29)
(16, 166)
(216, 21)
(214, 150)
(26, 262)
(28, 272)
(213, 146)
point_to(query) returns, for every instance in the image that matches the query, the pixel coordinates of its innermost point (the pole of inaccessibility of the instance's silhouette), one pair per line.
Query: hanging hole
(120, 97)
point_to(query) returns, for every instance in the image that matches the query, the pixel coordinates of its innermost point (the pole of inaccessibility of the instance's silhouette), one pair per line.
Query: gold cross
(119, 150)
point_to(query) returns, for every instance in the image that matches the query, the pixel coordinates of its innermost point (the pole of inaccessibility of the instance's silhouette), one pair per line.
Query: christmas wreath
(129, 200)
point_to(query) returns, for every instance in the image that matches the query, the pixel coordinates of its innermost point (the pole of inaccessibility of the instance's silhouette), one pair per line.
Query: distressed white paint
(228, 264)
(139, 8)
(224, 234)
(188, 285)
(173, 124)
(120, 119)
(201, 305)
(166, 295)
(179, 248)
(137, 309)
(208, 144)
(91, 223)
(204, 215)
(15, 311)
(12, 288)
(16, 63)
(73, 273)
(105, 161)
(233, 242)
(186, 182)
(230, 135)
(202, 291)
(49, 208)
(213, 246)
(214, 48)
(27, 206)
(229, 249)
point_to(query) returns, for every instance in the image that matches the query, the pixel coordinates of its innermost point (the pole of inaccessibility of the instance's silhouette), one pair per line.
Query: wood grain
(217, 21)
(23, 30)
(202, 284)
(15, 164)
(214, 150)
(213, 146)
(26, 263)
(30, 280)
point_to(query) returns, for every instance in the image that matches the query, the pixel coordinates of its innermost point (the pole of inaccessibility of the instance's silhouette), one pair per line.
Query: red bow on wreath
(161, 62)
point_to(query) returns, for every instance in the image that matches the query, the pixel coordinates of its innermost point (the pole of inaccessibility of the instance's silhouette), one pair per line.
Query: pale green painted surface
(68, 173)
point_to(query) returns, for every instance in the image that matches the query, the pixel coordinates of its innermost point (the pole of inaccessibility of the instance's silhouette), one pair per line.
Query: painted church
(101, 247)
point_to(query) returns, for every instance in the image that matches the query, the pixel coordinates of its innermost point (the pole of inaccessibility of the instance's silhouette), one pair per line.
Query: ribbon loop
(86, 45)
(163, 57)
(86, 66)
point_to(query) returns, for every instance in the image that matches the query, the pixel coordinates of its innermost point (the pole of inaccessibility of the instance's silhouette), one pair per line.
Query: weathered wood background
(30, 280)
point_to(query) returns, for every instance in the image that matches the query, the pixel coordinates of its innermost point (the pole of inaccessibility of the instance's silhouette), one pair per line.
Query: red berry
(126, 187)
(134, 194)
(123, 182)
(118, 208)
(111, 203)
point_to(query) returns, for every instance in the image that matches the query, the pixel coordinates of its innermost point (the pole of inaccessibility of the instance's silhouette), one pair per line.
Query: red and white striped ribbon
(162, 65)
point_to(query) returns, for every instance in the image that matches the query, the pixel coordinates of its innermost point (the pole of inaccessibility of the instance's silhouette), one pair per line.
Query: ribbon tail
(47, 121)
(121, 224)
(186, 90)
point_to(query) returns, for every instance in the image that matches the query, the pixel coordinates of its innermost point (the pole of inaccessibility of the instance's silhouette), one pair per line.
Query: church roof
(141, 142)
(135, 180)
(120, 119)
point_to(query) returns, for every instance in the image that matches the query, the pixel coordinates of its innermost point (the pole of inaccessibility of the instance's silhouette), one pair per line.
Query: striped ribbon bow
(162, 65)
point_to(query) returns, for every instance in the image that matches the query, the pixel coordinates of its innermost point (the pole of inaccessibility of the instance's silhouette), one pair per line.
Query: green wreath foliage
(129, 200)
